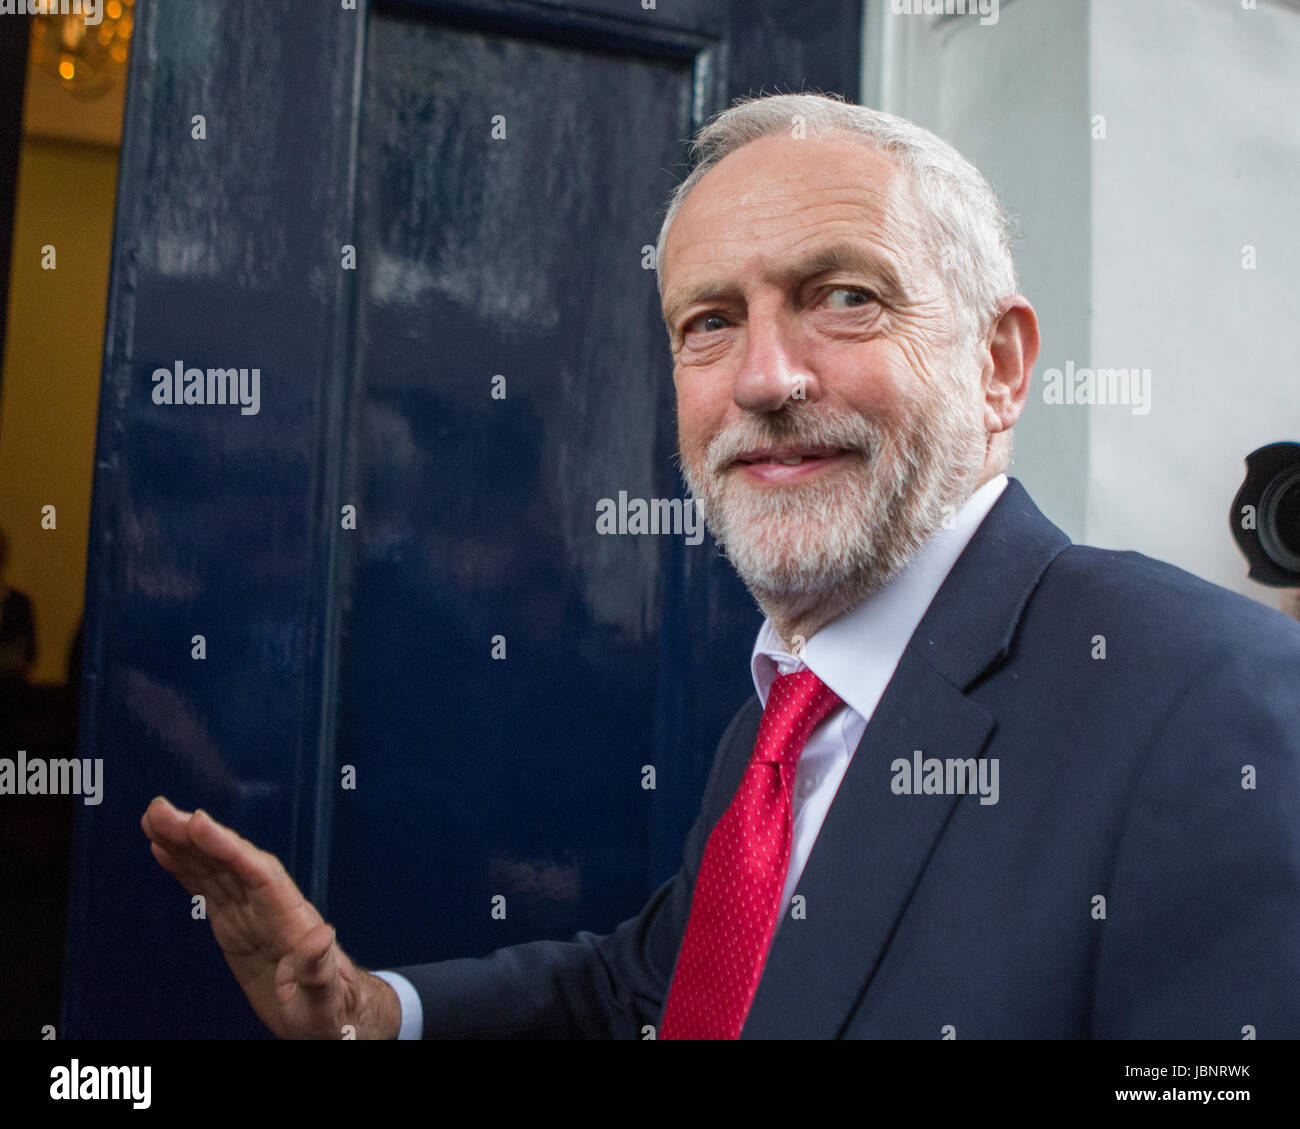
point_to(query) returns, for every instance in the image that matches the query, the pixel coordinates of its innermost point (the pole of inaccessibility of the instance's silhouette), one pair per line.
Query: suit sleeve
(1202, 934)
(590, 987)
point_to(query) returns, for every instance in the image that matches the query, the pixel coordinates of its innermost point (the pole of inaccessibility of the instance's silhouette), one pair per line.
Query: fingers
(165, 824)
(204, 855)
(166, 860)
(190, 833)
(254, 866)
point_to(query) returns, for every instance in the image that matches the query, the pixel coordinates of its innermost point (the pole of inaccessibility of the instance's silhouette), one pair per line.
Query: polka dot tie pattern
(738, 892)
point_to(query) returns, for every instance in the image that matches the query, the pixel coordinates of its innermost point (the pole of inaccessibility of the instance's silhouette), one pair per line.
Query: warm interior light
(88, 65)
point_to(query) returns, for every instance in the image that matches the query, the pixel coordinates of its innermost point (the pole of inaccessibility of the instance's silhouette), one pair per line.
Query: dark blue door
(373, 624)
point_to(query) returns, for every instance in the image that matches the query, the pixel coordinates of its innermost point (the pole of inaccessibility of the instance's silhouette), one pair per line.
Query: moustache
(852, 433)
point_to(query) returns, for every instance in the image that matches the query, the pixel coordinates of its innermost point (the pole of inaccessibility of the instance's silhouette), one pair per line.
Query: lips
(787, 456)
(778, 465)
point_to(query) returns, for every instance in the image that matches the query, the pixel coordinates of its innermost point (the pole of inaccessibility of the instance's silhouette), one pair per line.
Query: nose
(770, 372)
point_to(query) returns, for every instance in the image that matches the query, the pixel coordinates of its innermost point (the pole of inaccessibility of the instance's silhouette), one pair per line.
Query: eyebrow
(852, 258)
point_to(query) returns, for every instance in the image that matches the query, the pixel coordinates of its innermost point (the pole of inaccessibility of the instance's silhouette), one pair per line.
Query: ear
(1011, 348)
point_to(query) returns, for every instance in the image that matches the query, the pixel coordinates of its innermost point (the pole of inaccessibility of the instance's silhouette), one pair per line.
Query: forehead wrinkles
(786, 213)
(798, 216)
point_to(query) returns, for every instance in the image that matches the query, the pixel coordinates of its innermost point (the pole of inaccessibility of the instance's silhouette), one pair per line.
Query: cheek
(700, 410)
(875, 380)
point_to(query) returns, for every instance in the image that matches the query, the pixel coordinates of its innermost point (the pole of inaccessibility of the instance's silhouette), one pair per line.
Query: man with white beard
(850, 356)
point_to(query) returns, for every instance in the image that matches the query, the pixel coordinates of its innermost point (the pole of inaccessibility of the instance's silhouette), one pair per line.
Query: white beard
(824, 545)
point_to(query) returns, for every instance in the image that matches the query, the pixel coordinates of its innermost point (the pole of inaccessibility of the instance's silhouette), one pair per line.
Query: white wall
(1131, 246)
(1013, 98)
(1202, 156)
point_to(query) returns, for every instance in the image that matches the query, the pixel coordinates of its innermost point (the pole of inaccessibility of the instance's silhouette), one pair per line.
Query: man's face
(828, 413)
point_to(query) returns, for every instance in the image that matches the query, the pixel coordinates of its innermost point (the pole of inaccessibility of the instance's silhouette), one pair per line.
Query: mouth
(781, 464)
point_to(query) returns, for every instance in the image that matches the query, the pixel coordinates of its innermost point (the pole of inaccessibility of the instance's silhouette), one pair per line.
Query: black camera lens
(1279, 519)
(1266, 515)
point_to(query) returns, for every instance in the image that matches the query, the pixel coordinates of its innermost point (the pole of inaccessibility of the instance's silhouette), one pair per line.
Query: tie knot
(796, 705)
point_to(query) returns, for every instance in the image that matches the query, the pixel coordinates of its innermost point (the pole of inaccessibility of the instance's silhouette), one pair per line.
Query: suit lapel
(874, 845)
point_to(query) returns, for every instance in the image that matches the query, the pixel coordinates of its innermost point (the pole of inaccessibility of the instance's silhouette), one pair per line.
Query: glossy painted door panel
(427, 678)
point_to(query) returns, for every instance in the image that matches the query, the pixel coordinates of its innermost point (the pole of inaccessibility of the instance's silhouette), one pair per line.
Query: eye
(701, 321)
(861, 297)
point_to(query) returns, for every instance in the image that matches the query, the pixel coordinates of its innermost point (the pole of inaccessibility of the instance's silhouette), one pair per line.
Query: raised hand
(301, 984)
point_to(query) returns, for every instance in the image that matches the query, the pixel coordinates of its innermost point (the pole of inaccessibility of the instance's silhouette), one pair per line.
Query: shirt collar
(855, 654)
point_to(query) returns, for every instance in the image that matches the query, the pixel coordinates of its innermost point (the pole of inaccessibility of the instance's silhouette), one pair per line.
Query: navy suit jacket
(1163, 778)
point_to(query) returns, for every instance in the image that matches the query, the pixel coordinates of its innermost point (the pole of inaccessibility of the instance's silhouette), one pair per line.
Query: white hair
(964, 226)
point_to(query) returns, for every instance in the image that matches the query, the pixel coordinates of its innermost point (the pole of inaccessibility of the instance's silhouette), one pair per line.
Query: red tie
(738, 892)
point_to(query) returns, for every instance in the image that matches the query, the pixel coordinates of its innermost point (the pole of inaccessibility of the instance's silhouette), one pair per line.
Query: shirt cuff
(408, 999)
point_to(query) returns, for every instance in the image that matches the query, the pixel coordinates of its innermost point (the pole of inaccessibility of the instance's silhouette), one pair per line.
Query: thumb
(315, 960)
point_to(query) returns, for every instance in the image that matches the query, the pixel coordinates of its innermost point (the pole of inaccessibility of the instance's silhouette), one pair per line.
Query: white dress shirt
(855, 655)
